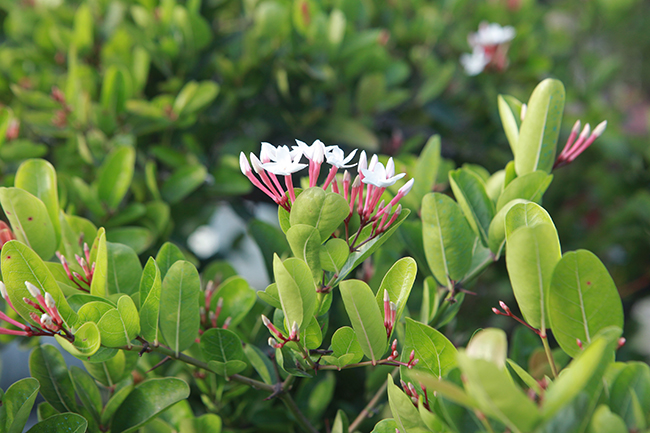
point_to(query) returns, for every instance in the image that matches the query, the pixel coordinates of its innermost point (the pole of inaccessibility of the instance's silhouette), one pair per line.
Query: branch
(366, 410)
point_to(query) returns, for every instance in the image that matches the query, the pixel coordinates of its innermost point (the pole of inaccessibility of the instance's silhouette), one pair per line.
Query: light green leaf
(472, 197)
(305, 244)
(179, 306)
(406, 416)
(261, 363)
(150, 286)
(87, 341)
(87, 391)
(525, 376)
(99, 256)
(497, 231)
(510, 112)
(341, 423)
(605, 421)
(38, 177)
(117, 88)
(531, 186)
(540, 128)
(167, 256)
(146, 401)
(398, 281)
(334, 254)
(222, 346)
(365, 317)
(579, 289)
(115, 174)
(490, 344)
(124, 269)
(296, 290)
(447, 238)
(238, 299)
(436, 353)
(29, 221)
(61, 423)
(316, 208)
(18, 402)
(344, 342)
(630, 395)
(119, 326)
(121, 393)
(135, 237)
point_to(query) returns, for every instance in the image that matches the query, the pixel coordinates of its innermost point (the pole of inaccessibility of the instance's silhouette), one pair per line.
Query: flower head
(315, 152)
(489, 48)
(474, 63)
(336, 157)
(378, 177)
(284, 164)
(491, 34)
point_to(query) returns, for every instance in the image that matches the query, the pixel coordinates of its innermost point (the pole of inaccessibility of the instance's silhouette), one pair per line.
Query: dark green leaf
(46, 364)
(18, 402)
(124, 269)
(62, 423)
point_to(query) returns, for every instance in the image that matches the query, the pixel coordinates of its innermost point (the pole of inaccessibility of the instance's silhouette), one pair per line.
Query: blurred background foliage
(190, 84)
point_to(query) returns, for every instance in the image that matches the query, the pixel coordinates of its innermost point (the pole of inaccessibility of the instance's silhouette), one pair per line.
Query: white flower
(336, 157)
(268, 152)
(390, 167)
(476, 62)
(315, 152)
(377, 176)
(283, 164)
(491, 34)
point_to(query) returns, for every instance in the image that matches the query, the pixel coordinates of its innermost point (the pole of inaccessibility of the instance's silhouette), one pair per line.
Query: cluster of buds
(6, 234)
(61, 116)
(409, 389)
(394, 354)
(489, 48)
(506, 312)
(390, 313)
(362, 194)
(209, 318)
(574, 147)
(75, 277)
(46, 315)
(294, 335)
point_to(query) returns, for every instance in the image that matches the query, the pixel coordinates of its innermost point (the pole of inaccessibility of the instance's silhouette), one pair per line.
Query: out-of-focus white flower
(474, 63)
(315, 152)
(336, 157)
(491, 34)
(284, 164)
(377, 176)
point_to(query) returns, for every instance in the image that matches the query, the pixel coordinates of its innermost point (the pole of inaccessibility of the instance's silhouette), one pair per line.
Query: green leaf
(341, 423)
(334, 254)
(490, 344)
(577, 375)
(207, 423)
(221, 345)
(99, 256)
(61, 423)
(447, 238)
(305, 243)
(496, 393)
(344, 342)
(87, 391)
(38, 177)
(271, 296)
(472, 197)
(18, 402)
(150, 287)
(316, 208)
(83, 28)
(580, 288)
(116, 89)
(119, 326)
(238, 299)
(387, 425)
(270, 239)
(261, 363)
(447, 389)
(436, 353)
(124, 269)
(531, 186)
(179, 306)
(365, 317)
(352, 132)
(630, 395)
(532, 251)
(398, 282)
(146, 401)
(87, 341)
(115, 175)
(194, 97)
(604, 421)
(112, 370)
(29, 221)
(407, 418)
(510, 112)
(296, 290)
(21, 264)
(497, 231)
(121, 393)
(426, 171)
(167, 256)
(183, 182)
(540, 128)
(525, 376)
(137, 238)
(46, 364)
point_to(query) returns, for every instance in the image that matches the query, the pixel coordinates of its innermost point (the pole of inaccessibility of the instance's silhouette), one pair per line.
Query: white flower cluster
(489, 47)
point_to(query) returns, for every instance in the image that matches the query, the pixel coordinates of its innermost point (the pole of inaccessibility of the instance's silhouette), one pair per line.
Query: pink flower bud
(32, 289)
(243, 164)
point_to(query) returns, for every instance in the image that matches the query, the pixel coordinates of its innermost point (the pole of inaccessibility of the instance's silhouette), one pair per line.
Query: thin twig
(373, 401)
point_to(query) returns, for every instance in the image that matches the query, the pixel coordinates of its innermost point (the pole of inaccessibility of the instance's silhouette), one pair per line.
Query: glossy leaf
(580, 289)
(296, 290)
(115, 175)
(365, 317)
(146, 401)
(238, 299)
(472, 197)
(221, 347)
(305, 243)
(398, 282)
(334, 254)
(167, 255)
(114, 369)
(119, 326)
(540, 128)
(99, 256)
(124, 269)
(87, 391)
(46, 364)
(406, 416)
(87, 341)
(447, 238)
(179, 306)
(316, 208)
(61, 423)
(150, 287)
(531, 186)
(183, 182)
(21, 264)
(38, 177)
(436, 354)
(510, 113)
(497, 231)
(29, 221)
(344, 342)
(18, 402)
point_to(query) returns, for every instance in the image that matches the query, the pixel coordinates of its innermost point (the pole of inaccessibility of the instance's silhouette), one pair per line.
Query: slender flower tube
(573, 147)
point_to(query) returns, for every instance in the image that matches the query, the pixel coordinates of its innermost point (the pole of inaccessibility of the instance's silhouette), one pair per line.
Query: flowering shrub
(151, 337)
